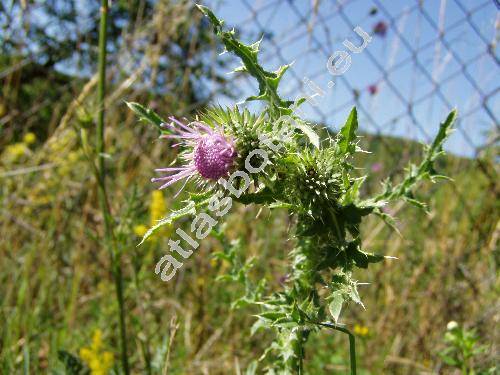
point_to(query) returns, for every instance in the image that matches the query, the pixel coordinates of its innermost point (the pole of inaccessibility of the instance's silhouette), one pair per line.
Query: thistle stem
(352, 343)
(301, 354)
(109, 235)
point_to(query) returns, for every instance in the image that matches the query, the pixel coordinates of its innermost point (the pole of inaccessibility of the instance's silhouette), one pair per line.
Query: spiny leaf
(214, 20)
(352, 193)
(309, 132)
(347, 134)
(146, 115)
(423, 171)
(361, 258)
(354, 295)
(416, 202)
(335, 305)
(265, 196)
(354, 213)
(189, 209)
(268, 81)
(285, 205)
(388, 219)
(444, 132)
(200, 197)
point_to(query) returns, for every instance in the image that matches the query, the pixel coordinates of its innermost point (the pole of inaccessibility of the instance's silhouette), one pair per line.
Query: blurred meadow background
(58, 309)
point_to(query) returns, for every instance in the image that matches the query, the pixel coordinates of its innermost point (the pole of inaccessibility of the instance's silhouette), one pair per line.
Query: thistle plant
(293, 166)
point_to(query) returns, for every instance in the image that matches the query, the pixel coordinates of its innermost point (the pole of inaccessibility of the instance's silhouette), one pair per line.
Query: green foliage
(147, 115)
(239, 268)
(56, 283)
(347, 135)
(268, 81)
(189, 209)
(424, 171)
(462, 348)
(314, 180)
(72, 364)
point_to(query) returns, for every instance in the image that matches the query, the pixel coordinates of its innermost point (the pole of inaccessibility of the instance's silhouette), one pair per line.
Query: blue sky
(464, 73)
(419, 75)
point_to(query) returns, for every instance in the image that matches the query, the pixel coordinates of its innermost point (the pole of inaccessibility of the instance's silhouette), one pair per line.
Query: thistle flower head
(211, 153)
(213, 156)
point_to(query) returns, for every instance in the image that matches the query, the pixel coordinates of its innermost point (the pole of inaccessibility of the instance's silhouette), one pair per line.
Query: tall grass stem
(110, 239)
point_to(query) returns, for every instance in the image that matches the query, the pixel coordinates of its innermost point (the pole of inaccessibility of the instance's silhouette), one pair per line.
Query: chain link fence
(424, 58)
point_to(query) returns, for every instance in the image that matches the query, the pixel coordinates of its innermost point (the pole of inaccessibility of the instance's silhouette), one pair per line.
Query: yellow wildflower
(98, 361)
(157, 211)
(361, 330)
(14, 151)
(42, 199)
(140, 230)
(73, 157)
(200, 281)
(157, 206)
(29, 138)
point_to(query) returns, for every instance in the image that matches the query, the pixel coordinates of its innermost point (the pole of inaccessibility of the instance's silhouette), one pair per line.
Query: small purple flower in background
(388, 211)
(212, 155)
(376, 167)
(380, 28)
(154, 104)
(283, 279)
(372, 89)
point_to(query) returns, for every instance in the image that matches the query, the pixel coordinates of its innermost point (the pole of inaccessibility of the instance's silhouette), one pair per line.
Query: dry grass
(56, 288)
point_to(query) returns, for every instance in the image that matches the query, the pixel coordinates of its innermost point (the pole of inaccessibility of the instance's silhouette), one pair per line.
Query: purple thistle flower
(212, 154)
(380, 28)
(376, 167)
(372, 89)
(388, 210)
